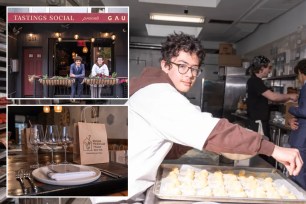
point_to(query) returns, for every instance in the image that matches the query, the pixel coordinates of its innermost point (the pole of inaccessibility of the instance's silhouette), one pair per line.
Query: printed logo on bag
(87, 144)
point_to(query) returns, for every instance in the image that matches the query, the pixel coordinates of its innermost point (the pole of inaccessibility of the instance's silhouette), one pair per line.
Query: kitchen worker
(258, 95)
(98, 69)
(77, 71)
(160, 115)
(297, 137)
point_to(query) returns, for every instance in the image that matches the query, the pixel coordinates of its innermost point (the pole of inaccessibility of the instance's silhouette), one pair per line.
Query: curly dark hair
(181, 42)
(78, 58)
(301, 66)
(257, 63)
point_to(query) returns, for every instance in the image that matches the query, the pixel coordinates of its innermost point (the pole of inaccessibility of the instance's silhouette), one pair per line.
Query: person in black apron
(258, 94)
(297, 137)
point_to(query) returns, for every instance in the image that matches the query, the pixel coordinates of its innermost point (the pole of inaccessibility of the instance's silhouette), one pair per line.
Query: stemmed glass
(37, 138)
(52, 139)
(66, 139)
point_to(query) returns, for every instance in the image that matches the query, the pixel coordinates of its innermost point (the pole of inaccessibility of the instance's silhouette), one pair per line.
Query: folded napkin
(68, 175)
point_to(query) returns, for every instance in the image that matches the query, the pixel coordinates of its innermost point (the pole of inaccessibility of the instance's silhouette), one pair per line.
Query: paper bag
(90, 142)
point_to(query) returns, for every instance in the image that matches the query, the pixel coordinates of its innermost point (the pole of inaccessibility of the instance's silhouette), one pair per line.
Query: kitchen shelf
(290, 76)
(2, 69)
(2, 59)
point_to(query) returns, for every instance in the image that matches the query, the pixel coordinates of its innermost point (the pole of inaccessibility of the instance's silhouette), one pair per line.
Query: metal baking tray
(164, 169)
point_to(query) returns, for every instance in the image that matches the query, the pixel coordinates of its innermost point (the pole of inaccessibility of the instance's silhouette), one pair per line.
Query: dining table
(113, 178)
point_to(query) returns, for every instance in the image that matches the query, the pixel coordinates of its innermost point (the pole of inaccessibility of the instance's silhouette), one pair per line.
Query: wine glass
(36, 138)
(52, 139)
(66, 139)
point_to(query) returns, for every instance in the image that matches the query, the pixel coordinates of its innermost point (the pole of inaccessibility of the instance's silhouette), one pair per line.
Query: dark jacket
(79, 73)
(298, 137)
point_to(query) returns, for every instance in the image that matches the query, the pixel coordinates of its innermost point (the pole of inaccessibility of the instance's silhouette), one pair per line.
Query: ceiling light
(179, 18)
(58, 109)
(165, 30)
(46, 109)
(197, 3)
(113, 37)
(85, 49)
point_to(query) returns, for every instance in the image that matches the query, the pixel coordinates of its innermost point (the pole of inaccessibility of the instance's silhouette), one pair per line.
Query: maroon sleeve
(232, 138)
(177, 151)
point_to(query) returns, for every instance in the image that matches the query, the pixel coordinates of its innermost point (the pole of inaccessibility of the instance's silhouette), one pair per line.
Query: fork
(27, 175)
(19, 177)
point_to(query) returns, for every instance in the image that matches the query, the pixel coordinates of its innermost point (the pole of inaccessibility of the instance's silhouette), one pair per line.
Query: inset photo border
(67, 151)
(67, 52)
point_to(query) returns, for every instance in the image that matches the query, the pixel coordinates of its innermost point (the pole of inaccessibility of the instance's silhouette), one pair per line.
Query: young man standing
(77, 71)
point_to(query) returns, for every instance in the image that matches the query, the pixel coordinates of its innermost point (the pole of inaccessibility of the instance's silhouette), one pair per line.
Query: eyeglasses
(184, 68)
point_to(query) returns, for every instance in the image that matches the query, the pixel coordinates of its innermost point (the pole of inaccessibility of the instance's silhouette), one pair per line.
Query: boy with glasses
(160, 115)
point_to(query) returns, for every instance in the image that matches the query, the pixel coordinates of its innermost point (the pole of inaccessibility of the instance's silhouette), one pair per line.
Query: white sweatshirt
(99, 70)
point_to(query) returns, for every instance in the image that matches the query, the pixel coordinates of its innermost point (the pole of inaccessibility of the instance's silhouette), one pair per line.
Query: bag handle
(83, 114)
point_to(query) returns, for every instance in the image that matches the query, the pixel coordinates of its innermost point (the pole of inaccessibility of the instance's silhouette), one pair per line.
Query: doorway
(32, 58)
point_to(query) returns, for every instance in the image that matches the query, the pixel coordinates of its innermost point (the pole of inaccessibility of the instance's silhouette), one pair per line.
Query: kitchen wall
(276, 29)
(140, 58)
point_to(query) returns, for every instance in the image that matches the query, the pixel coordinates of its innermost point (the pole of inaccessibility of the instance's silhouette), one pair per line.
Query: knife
(108, 173)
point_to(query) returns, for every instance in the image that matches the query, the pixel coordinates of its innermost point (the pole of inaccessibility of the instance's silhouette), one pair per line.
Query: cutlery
(19, 177)
(27, 175)
(111, 174)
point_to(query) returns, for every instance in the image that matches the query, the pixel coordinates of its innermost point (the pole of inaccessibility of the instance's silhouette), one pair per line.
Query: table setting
(46, 170)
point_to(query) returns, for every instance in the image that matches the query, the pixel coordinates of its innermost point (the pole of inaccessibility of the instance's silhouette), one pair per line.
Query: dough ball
(200, 183)
(174, 191)
(204, 192)
(188, 191)
(175, 170)
(219, 192)
(241, 173)
(268, 180)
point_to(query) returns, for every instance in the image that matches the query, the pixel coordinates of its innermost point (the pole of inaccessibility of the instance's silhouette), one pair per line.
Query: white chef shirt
(158, 116)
